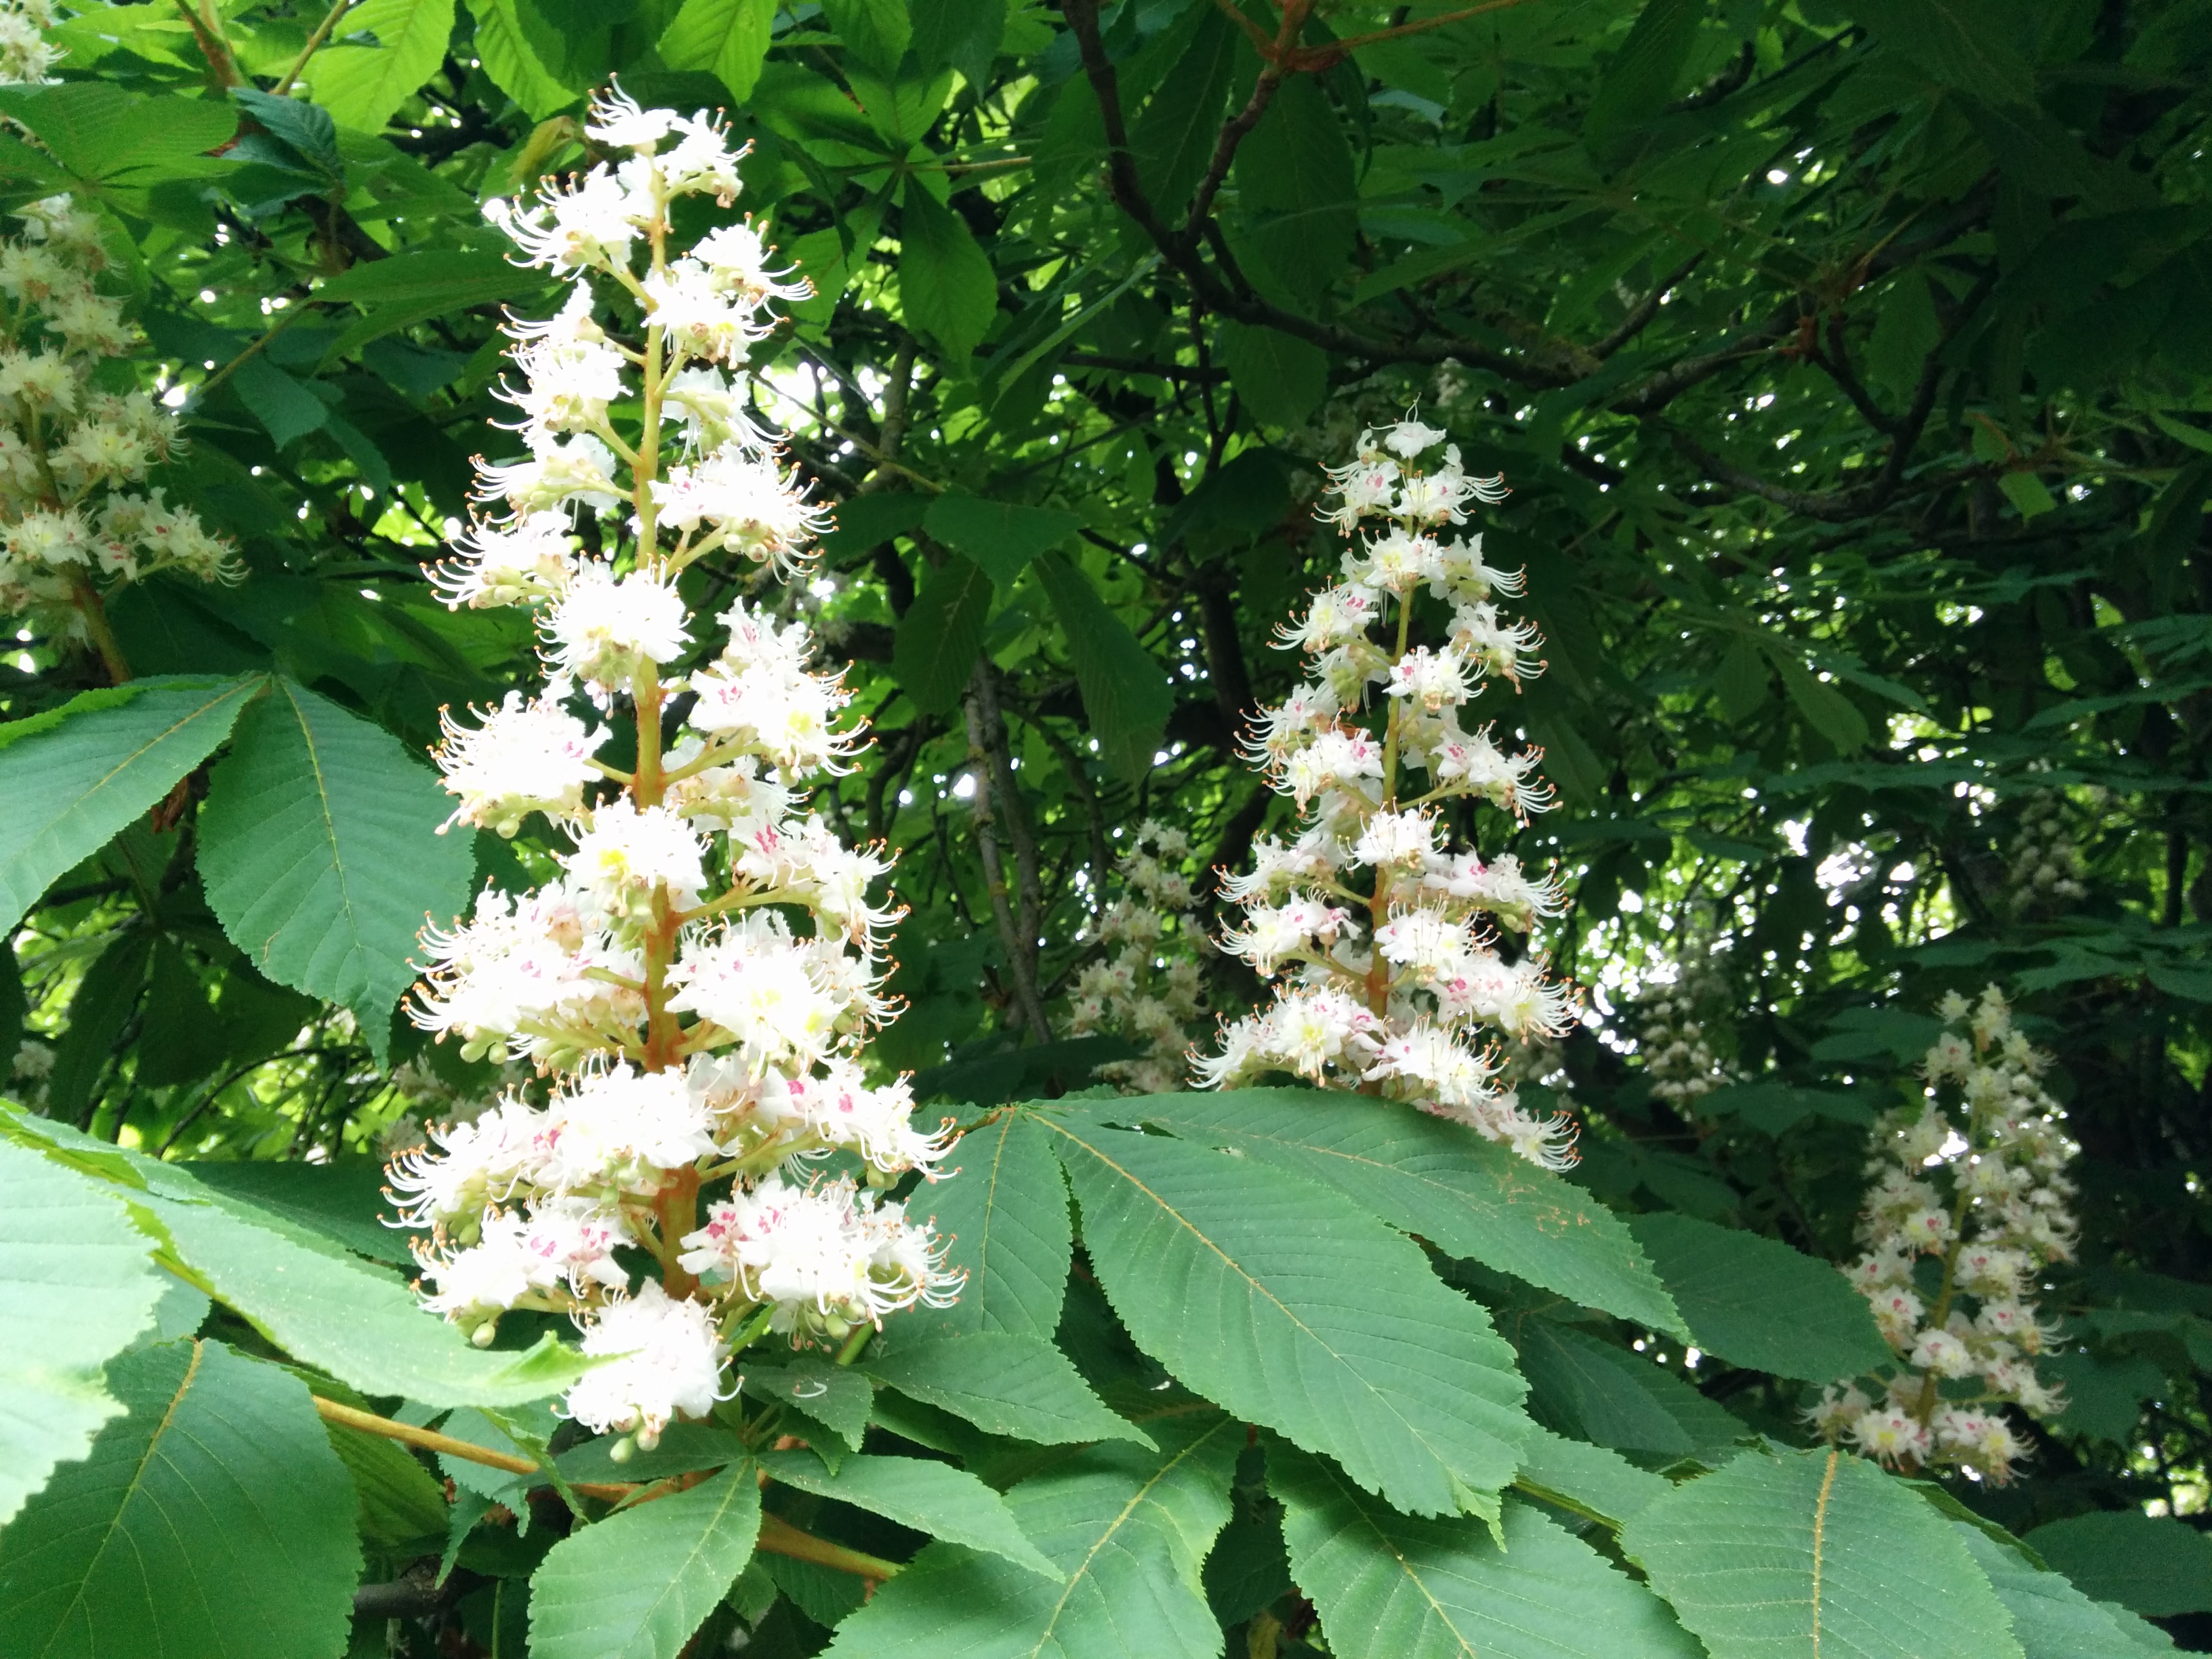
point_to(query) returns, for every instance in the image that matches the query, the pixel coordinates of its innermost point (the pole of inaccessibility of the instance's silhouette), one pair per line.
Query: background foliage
(1852, 367)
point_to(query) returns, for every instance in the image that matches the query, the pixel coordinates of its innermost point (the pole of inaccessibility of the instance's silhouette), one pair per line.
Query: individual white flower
(605, 627)
(526, 757)
(527, 561)
(628, 857)
(616, 1129)
(665, 1361)
(736, 260)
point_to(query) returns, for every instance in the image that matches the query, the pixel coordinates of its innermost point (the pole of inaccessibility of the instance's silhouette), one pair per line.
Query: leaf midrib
(1327, 1347)
(1136, 1499)
(129, 1491)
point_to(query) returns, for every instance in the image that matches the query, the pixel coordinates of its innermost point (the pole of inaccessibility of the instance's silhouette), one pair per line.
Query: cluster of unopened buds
(1679, 1064)
(71, 522)
(1147, 991)
(1969, 1204)
(2046, 869)
(1394, 979)
(705, 1052)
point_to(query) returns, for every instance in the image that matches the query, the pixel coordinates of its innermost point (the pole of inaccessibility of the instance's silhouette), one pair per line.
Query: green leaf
(997, 536)
(639, 1584)
(1284, 1303)
(900, 108)
(866, 522)
(728, 37)
(104, 759)
(320, 855)
(932, 1498)
(445, 279)
(1004, 1384)
(1790, 1552)
(98, 1014)
(1742, 681)
(2052, 1619)
(1007, 1215)
(1174, 139)
(1825, 709)
(213, 1519)
(962, 35)
(342, 1200)
(1644, 72)
(1585, 1386)
(946, 284)
(1437, 1181)
(2028, 494)
(933, 653)
(1964, 44)
(287, 411)
(1125, 694)
(108, 137)
(874, 31)
(335, 1312)
(402, 1504)
(2157, 1567)
(363, 86)
(1586, 1479)
(837, 1396)
(1388, 1586)
(1128, 1529)
(1280, 379)
(513, 64)
(1296, 189)
(76, 1285)
(1756, 1302)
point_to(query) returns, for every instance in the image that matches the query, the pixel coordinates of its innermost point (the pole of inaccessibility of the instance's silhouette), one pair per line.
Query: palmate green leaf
(76, 1285)
(78, 775)
(363, 85)
(2159, 1567)
(930, 1497)
(2051, 1618)
(1756, 1302)
(1126, 694)
(1465, 1196)
(1643, 73)
(1967, 44)
(1003, 1384)
(933, 653)
(946, 286)
(320, 855)
(1000, 537)
(401, 1502)
(638, 1584)
(1283, 1303)
(413, 287)
(1128, 1529)
(1007, 1218)
(727, 37)
(836, 1396)
(1390, 1587)
(1782, 1554)
(214, 1519)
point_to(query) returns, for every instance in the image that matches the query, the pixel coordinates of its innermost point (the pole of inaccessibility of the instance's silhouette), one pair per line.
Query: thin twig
(314, 45)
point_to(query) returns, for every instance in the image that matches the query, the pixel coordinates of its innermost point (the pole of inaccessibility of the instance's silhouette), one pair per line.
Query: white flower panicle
(1397, 981)
(76, 515)
(1147, 990)
(2044, 866)
(1969, 1203)
(1679, 1061)
(668, 1195)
